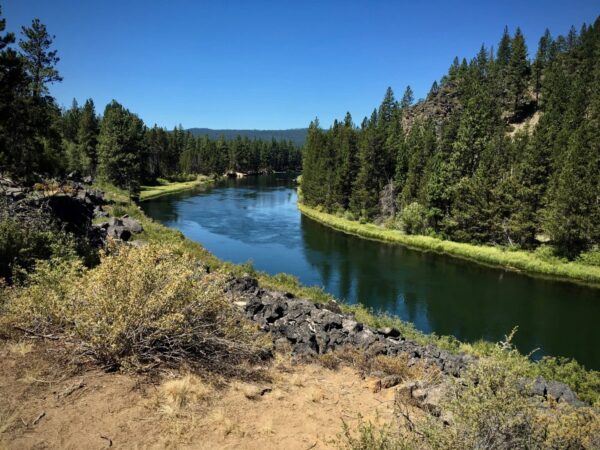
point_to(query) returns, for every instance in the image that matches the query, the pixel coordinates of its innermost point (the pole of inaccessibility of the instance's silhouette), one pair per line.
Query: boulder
(389, 332)
(132, 225)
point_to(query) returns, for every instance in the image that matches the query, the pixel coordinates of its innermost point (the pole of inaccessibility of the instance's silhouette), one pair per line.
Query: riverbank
(586, 383)
(516, 260)
(180, 342)
(166, 187)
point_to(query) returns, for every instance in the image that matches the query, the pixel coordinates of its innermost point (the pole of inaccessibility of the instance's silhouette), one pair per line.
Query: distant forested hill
(296, 135)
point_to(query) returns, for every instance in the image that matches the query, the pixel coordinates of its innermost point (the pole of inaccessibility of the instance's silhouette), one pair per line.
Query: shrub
(138, 308)
(25, 240)
(413, 219)
(349, 216)
(488, 408)
(369, 436)
(591, 258)
(546, 253)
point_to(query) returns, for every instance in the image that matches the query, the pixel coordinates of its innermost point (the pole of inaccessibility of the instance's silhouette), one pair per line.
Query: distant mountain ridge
(296, 135)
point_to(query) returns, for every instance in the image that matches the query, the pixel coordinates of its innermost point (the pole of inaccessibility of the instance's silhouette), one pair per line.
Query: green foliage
(488, 409)
(585, 382)
(491, 255)
(166, 187)
(413, 219)
(40, 61)
(120, 148)
(23, 243)
(454, 155)
(591, 258)
(368, 436)
(29, 139)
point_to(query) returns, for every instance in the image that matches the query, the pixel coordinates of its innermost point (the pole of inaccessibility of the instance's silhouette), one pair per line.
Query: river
(256, 219)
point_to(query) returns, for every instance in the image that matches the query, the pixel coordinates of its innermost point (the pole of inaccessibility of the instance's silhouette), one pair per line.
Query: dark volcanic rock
(122, 228)
(311, 328)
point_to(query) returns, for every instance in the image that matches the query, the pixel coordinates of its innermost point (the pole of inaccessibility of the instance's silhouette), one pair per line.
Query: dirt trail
(302, 407)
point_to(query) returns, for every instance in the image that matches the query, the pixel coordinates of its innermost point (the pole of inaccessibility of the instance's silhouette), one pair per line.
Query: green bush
(591, 258)
(547, 253)
(24, 242)
(368, 436)
(349, 216)
(489, 409)
(413, 219)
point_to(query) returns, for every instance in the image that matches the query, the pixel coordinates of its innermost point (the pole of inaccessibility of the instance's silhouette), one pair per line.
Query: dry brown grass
(140, 308)
(182, 395)
(20, 348)
(378, 365)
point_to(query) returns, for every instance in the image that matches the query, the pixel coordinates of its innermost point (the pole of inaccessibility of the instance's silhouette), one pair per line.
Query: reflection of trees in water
(353, 263)
(436, 293)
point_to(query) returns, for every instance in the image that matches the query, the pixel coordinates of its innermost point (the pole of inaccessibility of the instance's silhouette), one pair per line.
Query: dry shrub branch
(141, 307)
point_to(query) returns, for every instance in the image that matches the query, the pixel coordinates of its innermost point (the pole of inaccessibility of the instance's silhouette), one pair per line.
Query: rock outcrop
(315, 328)
(312, 328)
(121, 228)
(71, 205)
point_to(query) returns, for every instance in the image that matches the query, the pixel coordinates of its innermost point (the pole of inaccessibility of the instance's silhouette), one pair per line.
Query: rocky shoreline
(313, 328)
(72, 205)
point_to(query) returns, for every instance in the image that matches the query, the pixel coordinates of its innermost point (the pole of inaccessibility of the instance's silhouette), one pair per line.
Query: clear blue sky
(271, 64)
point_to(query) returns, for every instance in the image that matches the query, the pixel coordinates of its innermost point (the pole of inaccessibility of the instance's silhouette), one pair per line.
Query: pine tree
(504, 53)
(542, 58)
(371, 178)
(518, 74)
(120, 148)
(40, 61)
(346, 163)
(407, 99)
(434, 90)
(87, 136)
(571, 214)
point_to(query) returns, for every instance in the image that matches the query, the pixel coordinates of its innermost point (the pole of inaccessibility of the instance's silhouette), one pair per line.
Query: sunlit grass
(166, 187)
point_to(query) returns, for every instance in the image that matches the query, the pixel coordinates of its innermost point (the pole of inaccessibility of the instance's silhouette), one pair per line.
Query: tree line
(38, 137)
(504, 150)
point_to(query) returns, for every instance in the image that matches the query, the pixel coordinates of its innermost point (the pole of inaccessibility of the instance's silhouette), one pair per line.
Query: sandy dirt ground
(299, 407)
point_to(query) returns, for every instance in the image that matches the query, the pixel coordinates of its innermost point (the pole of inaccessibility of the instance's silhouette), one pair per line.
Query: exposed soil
(301, 407)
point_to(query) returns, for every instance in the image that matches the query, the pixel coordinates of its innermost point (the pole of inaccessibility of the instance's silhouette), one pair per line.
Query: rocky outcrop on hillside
(437, 106)
(70, 205)
(312, 328)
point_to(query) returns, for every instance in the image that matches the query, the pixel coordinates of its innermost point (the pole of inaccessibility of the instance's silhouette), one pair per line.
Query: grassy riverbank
(167, 187)
(518, 260)
(586, 383)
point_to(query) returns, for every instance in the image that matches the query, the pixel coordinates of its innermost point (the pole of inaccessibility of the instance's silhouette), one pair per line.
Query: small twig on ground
(72, 389)
(312, 446)
(33, 333)
(110, 442)
(38, 418)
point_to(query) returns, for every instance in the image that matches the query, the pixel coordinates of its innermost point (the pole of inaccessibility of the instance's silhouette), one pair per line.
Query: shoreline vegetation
(515, 260)
(171, 187)
(586, 383)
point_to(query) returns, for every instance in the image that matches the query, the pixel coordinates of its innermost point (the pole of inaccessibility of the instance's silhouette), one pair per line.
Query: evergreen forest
(505, 150)
(38, 138)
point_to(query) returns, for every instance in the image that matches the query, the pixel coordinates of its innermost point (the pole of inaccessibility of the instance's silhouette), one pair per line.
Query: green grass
(517, 260)
(586, 383)
(167, 187)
